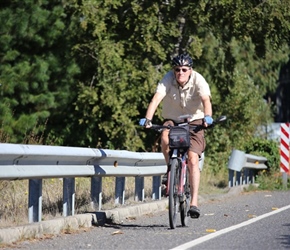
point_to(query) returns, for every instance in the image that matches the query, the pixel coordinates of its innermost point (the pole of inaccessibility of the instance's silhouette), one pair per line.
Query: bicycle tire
(173, 197)
(185, 204)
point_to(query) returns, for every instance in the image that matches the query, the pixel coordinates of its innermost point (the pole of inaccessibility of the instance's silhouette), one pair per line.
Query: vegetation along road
(250, 220)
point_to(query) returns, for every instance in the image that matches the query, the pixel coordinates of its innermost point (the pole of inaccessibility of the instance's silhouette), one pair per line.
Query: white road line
(200, 240)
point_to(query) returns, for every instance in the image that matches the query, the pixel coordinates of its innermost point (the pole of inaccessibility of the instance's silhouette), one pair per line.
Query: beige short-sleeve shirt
(179, 101)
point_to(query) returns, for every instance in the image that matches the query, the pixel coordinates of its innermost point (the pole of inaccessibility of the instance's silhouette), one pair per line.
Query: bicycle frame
(182, 158)
(177, 187)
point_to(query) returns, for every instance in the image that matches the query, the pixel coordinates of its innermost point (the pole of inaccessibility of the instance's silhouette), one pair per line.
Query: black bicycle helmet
(182, 60)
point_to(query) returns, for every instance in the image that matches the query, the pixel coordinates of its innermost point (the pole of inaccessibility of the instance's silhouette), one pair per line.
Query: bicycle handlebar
(193, 127)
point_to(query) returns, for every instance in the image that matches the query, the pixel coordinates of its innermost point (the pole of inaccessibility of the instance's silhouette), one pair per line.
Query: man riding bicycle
(183, 91)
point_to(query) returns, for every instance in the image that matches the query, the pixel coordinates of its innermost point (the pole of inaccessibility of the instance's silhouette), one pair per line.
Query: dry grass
(14, 198)
(213, 184)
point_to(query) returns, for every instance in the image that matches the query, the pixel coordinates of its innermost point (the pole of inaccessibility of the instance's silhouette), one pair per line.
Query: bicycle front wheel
(184, 205)
(173, 193)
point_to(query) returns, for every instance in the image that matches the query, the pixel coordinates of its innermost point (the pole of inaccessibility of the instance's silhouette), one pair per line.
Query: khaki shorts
(197, 140)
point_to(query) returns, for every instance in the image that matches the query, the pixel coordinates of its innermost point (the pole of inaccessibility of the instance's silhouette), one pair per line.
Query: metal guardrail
(27, 162)
(37, 162)
(243, 167)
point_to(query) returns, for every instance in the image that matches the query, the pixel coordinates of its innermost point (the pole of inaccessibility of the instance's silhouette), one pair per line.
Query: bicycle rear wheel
(173, 189)
(185, 204)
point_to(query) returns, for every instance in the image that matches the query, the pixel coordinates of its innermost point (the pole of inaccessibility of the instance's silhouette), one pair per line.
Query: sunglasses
(179, 69)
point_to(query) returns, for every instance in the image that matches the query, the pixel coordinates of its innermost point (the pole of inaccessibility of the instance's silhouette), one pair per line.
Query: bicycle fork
(174, 155)
(182, 176)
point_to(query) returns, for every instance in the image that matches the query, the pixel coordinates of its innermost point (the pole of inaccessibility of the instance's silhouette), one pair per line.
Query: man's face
(182, 74)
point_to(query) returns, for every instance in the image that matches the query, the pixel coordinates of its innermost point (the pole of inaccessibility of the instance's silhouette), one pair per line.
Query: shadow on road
(103, 221)
(120, 226)
(285, 239)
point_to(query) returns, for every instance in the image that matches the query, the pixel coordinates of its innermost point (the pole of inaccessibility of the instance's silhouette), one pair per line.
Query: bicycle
(178, 188)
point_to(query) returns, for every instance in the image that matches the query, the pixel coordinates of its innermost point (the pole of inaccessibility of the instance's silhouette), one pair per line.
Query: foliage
(266, 148)
(36, 70)
(271, 181)
(85, 71)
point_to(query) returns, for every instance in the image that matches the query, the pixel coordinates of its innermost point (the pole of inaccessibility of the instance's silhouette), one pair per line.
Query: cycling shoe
(194, 212)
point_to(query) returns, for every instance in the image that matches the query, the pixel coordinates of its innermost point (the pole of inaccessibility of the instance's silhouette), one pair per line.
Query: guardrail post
(96, 192)
(238, 178)
(68, 196)
(156, 188)
(248, 175)
(231, 178)
(120, 190)
(35, 200)
(251, 176)
(139, 188)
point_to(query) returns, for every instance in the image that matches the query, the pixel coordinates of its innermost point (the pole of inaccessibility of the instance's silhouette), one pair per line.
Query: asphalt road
(254, 220)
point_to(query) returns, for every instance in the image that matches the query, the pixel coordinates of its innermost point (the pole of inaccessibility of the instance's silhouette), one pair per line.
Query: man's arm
(157, 98)
(207, 105)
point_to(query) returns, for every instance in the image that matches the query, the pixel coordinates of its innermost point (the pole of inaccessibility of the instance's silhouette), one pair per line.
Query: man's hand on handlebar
(208, 120)
(145, 122)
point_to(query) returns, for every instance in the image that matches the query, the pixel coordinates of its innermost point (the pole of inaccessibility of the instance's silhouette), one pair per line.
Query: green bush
(266, 148)
(269, 179)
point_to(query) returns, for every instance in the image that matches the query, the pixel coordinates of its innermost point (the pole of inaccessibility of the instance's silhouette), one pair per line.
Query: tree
(36, 70)
(93, 65)
(123, 48)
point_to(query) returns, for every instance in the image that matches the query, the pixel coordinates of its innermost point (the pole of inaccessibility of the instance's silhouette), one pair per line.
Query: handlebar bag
(179, 137)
